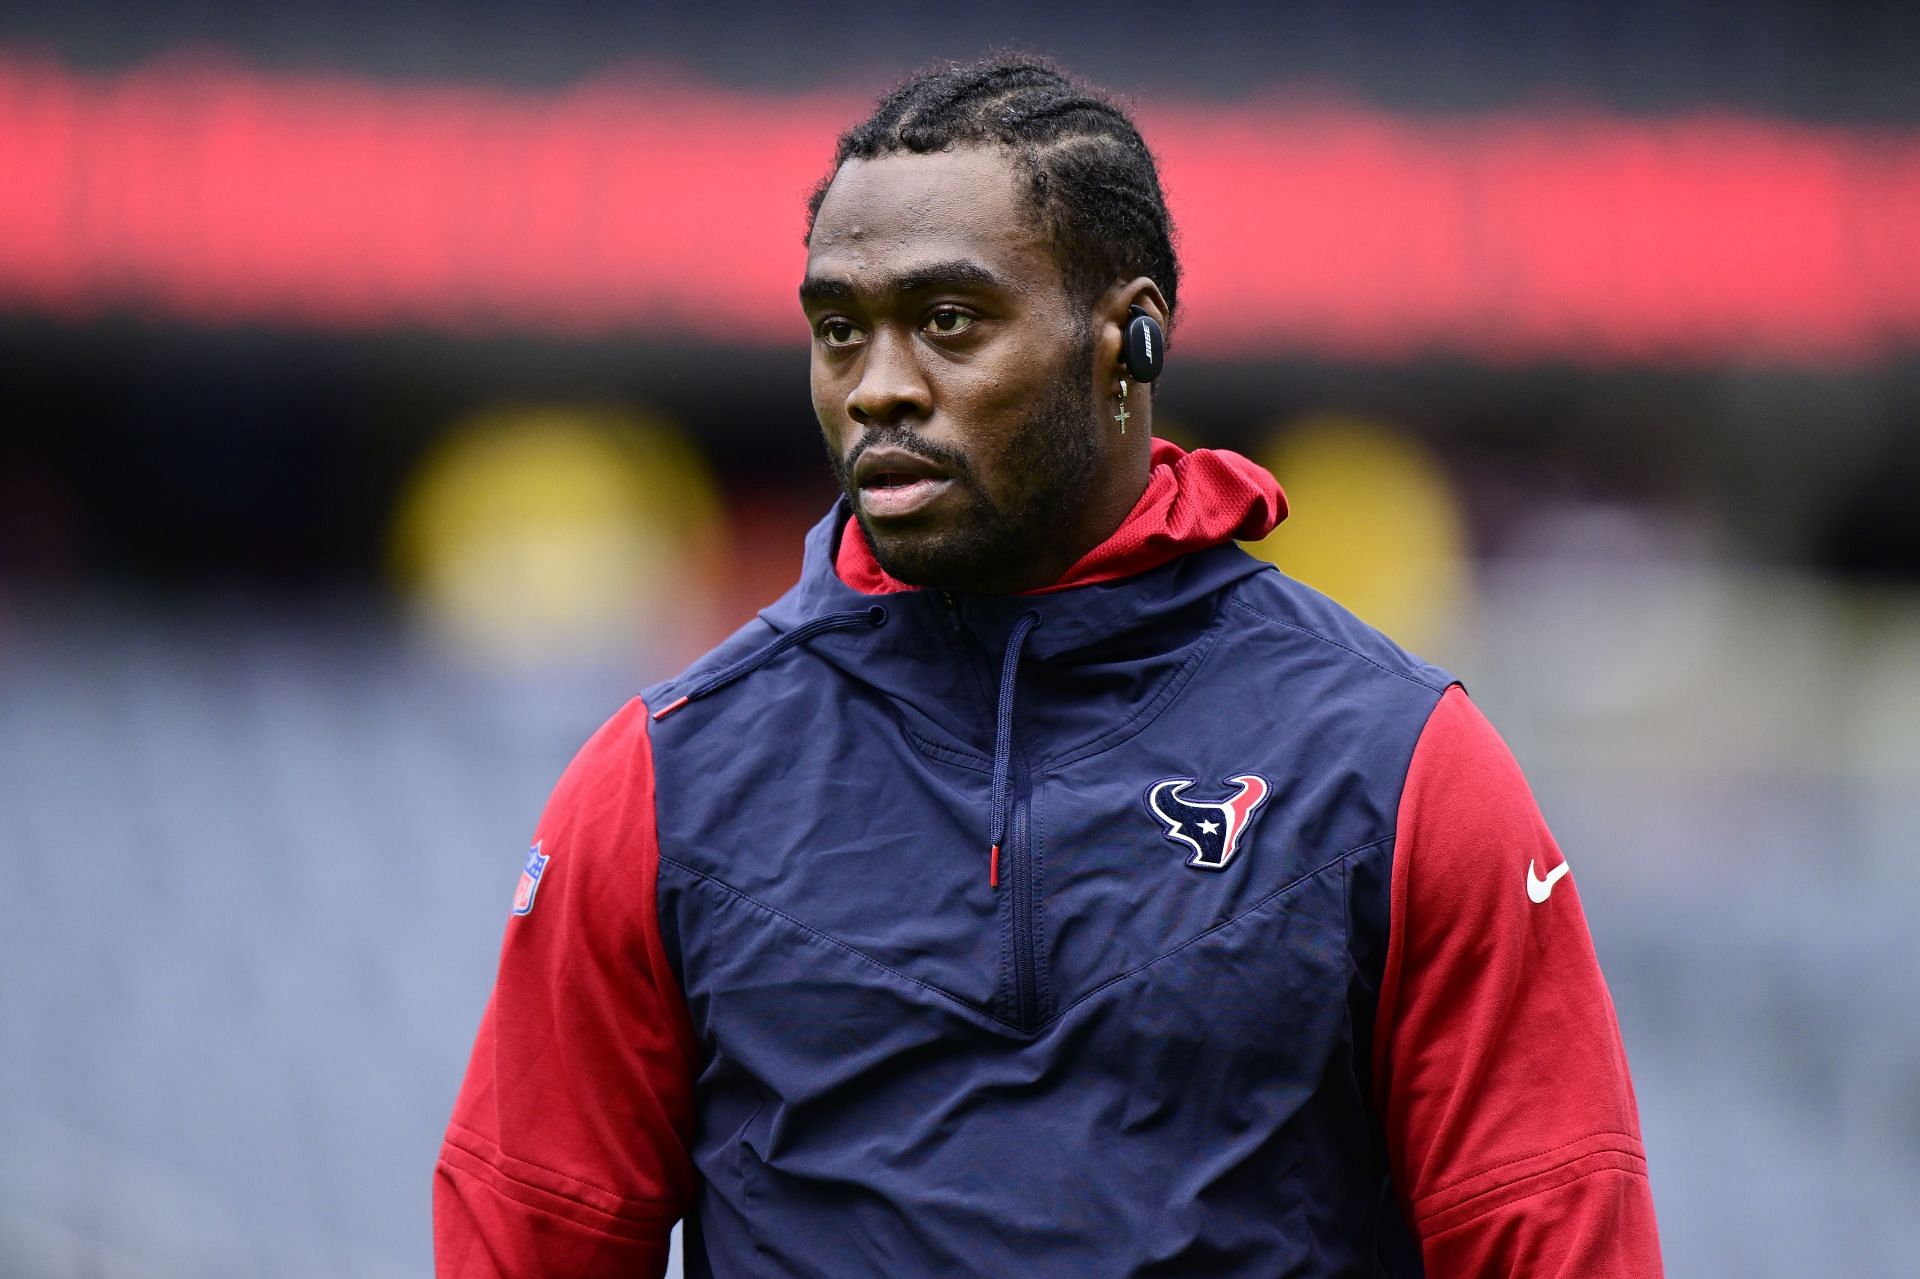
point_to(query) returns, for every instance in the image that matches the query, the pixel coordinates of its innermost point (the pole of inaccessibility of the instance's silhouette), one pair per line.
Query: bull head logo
(1211, 830)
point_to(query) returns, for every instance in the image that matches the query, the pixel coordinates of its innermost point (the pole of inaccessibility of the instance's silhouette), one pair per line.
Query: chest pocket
(1253, 1003)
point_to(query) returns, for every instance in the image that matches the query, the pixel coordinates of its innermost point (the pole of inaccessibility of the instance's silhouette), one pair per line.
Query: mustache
(950, 459)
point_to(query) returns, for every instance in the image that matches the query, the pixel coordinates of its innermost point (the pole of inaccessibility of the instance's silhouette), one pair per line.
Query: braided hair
(1090, 177)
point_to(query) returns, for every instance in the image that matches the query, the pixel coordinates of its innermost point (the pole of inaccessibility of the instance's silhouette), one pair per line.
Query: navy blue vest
(1145, 1050)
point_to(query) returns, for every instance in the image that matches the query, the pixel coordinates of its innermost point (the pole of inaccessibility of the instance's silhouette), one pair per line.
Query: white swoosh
(1538, 889)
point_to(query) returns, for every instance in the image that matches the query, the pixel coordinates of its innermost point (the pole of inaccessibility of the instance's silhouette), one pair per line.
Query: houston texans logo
(1211, 830)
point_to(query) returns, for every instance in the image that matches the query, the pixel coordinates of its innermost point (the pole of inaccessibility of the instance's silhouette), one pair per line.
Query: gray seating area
(260, 864)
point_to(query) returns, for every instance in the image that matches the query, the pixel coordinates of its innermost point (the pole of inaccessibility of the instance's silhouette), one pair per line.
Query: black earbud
(1146, 347)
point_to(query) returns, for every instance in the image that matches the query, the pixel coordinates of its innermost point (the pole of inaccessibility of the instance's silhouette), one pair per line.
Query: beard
(1050, 461)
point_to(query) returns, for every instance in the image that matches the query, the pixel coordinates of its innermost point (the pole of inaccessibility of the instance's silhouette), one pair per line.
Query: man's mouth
(894, 493)
(893, 482)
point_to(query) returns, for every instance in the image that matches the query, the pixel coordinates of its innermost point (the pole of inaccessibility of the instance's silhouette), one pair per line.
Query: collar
(1192, 501)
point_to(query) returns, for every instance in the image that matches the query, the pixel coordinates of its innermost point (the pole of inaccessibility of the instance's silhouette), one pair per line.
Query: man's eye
(839, 333)
(947, 322)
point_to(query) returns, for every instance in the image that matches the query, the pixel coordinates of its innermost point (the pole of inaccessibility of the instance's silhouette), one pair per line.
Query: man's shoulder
(1302, 623)
(742, 643)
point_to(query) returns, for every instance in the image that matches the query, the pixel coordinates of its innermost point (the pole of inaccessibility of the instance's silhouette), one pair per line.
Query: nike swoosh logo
(1538, 889)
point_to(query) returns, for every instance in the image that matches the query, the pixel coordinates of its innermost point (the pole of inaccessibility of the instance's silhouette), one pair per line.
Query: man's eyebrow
(943, 275)
(816, 289)
(921, 279)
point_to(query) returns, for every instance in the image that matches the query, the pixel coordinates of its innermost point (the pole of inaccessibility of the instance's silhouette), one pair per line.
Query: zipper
(1012, 868)
(1026, 960)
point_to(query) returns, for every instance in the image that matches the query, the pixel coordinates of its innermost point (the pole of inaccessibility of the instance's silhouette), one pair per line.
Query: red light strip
(195, 189)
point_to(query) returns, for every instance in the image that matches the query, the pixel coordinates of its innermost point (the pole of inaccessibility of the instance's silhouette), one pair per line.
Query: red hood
(1193, 501)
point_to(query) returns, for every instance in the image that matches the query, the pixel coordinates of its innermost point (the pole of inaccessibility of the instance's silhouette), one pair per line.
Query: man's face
(951, 376)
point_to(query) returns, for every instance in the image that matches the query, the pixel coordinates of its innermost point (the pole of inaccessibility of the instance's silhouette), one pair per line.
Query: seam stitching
(1521, 1159)
(1333, 643)
(1477, 1214)
(1004, 991)
(1126, 730)
(835, 942)
(1036, 844)
(947, 754)
(971, 1007)
(480, 1139)
(1287, 887)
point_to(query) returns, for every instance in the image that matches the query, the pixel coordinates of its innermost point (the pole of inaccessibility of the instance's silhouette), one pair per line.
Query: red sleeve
(567, 1151)
(1509, 1114)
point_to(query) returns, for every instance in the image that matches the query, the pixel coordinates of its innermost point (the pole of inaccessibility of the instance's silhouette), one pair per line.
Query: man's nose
(892, 387)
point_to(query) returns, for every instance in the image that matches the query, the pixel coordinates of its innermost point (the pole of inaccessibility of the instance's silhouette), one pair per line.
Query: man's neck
(1189, 501)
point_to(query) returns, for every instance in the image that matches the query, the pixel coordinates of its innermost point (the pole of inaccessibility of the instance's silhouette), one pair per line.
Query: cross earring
(1122, 416)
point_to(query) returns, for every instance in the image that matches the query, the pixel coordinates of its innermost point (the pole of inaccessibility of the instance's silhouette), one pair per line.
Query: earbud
(1147, 346)
(1145, 352)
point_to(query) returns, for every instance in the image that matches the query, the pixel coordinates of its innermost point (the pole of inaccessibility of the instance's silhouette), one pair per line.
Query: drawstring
(874, 616)
(1003, 738)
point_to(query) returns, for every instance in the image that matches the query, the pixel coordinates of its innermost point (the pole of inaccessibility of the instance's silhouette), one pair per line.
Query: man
(1043, 886)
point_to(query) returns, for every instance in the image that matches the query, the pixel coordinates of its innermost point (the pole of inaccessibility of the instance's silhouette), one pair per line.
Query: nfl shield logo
(529, 880)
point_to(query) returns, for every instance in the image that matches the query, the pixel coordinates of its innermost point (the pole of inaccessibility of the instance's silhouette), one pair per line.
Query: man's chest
(1203, 860)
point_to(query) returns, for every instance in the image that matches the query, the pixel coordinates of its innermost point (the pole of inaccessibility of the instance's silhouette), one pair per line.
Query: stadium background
(390, 389)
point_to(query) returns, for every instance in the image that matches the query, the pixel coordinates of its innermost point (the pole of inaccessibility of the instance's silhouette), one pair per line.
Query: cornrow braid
(1092, 181)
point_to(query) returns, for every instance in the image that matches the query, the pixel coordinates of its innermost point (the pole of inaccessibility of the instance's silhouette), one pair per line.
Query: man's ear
(1146, 295)
(1113, 311)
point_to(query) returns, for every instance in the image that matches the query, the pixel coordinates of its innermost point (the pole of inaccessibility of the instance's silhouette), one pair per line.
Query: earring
(1122, 416)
